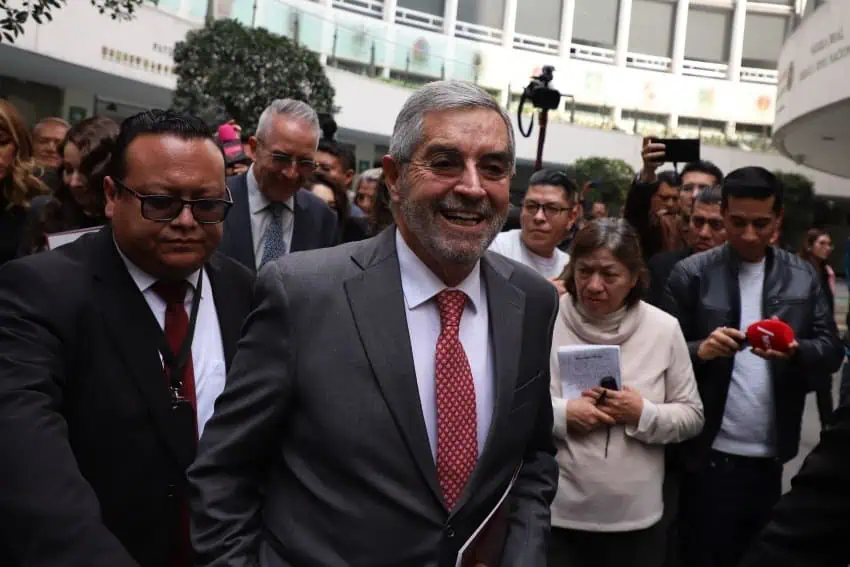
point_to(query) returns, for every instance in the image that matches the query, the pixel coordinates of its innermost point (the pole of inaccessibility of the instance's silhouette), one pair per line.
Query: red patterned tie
(457, 439)
(176, 327)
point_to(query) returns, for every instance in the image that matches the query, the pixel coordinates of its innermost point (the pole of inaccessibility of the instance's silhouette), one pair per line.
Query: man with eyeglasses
(115, 348)
(548, 211)
(753, 398)
(705, 231)
(273, 213)
(655, 200)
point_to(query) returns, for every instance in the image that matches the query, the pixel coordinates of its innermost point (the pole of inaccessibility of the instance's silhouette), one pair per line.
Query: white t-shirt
(747, 428)
(510, 245)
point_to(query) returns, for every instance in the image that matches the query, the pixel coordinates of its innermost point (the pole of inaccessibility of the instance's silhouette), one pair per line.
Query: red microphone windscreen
(770, 334)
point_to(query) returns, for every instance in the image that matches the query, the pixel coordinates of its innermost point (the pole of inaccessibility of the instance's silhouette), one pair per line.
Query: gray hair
(436, 97)
(295, 109)
(370, 175)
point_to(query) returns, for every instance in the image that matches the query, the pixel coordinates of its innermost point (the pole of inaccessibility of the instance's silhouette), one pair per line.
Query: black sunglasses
(166, 208)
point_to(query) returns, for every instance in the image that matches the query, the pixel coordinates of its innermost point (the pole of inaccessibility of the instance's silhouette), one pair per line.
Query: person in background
(816, 249)
(754, 398)
(98, 422)
(79, 202)
(382, 214)
(273, 214)
(611, 447)
(18, 183)
(579, 217)
(599, 210)
(547, 214)
(366, 190)
(351, 229)
(334, 159)
(47, 135)
(665, 232)
(235, 160)
(705, 231)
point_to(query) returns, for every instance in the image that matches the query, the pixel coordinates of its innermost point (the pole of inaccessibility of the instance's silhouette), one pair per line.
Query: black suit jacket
(93, 472)
(317, 453)
(660, 267)
(811, 524)
(315, 224)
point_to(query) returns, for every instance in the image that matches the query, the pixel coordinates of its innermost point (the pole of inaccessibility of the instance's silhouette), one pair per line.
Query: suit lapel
(376, 299)
(506, 306)
(229, 318)
(136, 336)
(300, 232)
(238, 225)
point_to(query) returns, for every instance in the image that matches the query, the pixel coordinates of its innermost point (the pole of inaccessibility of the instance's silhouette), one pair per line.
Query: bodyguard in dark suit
(273, 214)
(388, 393)
(97, 422)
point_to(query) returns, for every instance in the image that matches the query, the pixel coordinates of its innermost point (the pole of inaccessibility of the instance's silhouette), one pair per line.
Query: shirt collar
(143, 280)
(420, 284)
(257, 202)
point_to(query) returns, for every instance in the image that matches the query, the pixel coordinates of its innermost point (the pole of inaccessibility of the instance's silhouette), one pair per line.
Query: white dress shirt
(207, 347)
(261, 217)
(421, 286)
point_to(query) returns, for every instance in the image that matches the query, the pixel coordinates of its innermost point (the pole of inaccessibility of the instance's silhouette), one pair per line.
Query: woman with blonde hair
(18, 183)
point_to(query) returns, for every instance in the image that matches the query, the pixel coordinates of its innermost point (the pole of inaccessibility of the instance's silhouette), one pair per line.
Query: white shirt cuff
(559, 413)
(647, 416)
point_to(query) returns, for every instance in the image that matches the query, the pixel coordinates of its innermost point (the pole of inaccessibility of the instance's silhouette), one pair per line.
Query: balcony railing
(418, 19)
(535, 43)
(598, 54)
(703, 69)
(766, 76)
(374, 8)
(651, 62)
(477, 32)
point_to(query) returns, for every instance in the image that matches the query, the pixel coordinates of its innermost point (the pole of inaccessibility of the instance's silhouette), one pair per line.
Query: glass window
(433, 7)
(709, 34)
(652, 28)
(596, 22)
(763, 38)
(488, 13)
(541, 18)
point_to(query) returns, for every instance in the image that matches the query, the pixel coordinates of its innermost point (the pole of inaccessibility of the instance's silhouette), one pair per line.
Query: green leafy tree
(228, 71)
(611, 178)
(799, 202)
(14, 14)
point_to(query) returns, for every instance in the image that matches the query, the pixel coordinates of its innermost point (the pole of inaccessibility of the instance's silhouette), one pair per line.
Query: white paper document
(584, 367)
(58, 239)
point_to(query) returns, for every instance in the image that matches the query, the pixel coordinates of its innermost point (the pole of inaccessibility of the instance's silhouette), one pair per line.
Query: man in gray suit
(389, 394)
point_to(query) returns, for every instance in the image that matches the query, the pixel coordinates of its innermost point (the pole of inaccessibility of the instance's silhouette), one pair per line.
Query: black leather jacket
(702, 293)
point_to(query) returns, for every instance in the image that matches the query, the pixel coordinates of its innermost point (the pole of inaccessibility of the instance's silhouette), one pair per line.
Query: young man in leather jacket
(753, 398)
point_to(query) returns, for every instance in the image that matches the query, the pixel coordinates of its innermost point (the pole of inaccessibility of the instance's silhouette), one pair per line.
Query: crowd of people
(248, 354)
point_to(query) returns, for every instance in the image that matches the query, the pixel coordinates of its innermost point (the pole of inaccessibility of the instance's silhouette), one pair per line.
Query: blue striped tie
(274, 246)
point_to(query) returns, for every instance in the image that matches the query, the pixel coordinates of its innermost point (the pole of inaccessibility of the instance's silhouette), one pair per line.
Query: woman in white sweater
(611, 447)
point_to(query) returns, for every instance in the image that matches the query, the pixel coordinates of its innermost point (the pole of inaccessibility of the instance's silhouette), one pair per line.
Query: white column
(509, 24)
(389, 10)
(673, 124)
(327, 3)
(258, 14)
(736, 52)
(680, 35)
(568, 16)
(328, 28)
(183, 11)
(450, 17)
(624, 24)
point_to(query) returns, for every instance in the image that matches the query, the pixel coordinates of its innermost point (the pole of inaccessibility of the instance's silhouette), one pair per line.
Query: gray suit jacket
(317, 453)
(315, 224)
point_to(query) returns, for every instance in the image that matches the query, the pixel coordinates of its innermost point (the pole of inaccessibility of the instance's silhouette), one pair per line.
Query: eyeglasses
(166, 208)
(691, 187)
(549, 210)
(282, 160)
(713, 224)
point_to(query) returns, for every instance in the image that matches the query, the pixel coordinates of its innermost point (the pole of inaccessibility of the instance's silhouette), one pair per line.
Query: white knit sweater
(623, 491)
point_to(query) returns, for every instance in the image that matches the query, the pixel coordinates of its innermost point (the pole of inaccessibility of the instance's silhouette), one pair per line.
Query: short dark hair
(558, 179)
(618, 236)
(670, 178)
(706, 167)
(711, 196)
(329, 145)
(161, 122)
(752, 183)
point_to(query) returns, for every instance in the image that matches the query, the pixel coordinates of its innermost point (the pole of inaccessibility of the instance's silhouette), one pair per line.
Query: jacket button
(450, 532)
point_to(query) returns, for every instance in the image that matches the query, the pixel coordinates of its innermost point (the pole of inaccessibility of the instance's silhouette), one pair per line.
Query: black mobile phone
(679, 150)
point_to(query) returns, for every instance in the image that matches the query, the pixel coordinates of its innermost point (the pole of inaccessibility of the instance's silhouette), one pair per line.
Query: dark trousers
(639, 548)
(823, 396)
(724, 507)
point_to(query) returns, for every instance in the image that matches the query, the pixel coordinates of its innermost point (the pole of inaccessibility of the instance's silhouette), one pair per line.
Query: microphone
(770, 334)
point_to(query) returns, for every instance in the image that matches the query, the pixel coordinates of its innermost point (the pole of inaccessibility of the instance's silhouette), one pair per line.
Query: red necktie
(176, 328)
(457, 439)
